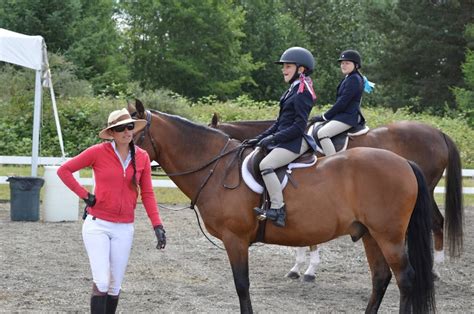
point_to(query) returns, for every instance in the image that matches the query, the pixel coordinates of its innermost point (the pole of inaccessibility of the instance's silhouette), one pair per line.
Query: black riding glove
(90, 200)
(317, 118)
(267, 141)
(252, 142)
(160, 236)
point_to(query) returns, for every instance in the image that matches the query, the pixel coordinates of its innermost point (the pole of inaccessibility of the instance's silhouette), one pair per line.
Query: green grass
(171, 195)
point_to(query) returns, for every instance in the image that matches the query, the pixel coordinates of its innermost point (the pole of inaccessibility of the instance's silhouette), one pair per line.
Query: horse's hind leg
(396, 257)
(300, 254)
(237, 251)
(438, 223)
(380, 271)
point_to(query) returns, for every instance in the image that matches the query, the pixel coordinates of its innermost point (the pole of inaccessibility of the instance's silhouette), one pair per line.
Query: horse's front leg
(238, 253)
(300, 255)
(314, 260)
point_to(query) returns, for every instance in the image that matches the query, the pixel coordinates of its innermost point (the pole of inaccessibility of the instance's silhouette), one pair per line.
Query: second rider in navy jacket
(345, 113)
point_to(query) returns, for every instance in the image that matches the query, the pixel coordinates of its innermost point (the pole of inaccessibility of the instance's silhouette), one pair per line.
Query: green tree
(96, 50)
(422, 53)
(83, 30)
(52, 19)
(465, 95)
(334, 26)
(269, 31)
(192, 47)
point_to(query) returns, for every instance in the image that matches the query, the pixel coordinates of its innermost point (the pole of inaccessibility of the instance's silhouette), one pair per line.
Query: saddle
(341, 140)
(253, 178)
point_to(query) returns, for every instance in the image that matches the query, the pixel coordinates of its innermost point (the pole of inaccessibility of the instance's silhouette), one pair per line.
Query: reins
(215, 160)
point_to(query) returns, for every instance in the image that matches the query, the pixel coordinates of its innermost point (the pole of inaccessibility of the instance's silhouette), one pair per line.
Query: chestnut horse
(430, 148)
(366, 193)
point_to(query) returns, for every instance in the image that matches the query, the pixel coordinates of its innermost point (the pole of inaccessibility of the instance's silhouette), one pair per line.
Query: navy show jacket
(289, 128)
(348, 100)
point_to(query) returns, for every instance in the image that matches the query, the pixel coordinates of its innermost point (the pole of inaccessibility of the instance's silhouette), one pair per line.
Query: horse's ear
(215, 120)
(139, 106)
(130, 107)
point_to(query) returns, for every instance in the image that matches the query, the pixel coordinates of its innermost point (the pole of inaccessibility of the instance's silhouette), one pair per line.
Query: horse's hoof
(293, 275)
(436, 275)
(309, 278)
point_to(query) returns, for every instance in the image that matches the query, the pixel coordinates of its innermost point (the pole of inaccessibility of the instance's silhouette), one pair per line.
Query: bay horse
(431, 149)
(374, 194)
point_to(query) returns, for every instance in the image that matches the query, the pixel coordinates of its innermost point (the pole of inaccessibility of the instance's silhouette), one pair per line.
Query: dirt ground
(43, 267)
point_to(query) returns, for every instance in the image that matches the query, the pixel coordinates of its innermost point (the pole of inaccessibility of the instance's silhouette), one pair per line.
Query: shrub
(83, 117)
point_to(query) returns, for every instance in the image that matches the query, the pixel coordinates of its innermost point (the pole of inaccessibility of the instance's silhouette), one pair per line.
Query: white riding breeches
(329, 130)
(108, 246)
(278, 157)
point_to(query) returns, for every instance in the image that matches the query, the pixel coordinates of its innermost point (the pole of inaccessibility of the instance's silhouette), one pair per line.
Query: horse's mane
(189, 124)
(248, 122)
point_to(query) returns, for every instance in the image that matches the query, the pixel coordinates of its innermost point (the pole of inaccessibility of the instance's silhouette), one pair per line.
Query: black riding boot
(281, 217)
(98, 304)
(112, 301)
(277, 215)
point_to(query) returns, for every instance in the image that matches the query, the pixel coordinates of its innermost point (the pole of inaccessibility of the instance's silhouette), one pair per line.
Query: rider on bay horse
(345, 113)
(286, 139)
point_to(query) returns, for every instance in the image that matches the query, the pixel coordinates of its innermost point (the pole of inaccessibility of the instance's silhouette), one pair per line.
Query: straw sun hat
(120, 117)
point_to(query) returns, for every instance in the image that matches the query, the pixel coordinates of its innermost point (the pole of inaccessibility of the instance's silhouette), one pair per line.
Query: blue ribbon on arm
(368, 85)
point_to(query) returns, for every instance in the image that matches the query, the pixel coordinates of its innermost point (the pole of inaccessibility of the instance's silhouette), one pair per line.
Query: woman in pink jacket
(121, 171)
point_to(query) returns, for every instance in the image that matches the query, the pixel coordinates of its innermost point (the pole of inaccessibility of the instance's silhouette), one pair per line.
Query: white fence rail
(26, 160)
(54, 161)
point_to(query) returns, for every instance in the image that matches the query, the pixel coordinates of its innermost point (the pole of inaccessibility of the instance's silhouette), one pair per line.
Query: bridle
(146, 131)
(214, 161)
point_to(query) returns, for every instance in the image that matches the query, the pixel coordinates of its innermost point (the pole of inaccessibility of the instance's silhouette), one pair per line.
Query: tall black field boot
(112, 301)
(98, 304)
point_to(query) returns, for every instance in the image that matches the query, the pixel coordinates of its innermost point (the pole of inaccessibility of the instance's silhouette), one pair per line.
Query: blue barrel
(25, 198)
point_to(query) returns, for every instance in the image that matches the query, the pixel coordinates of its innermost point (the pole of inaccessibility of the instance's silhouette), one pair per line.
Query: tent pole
(36, 125)
(56, 116)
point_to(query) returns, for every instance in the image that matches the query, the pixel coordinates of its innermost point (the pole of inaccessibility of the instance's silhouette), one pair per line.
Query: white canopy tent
(30, 52)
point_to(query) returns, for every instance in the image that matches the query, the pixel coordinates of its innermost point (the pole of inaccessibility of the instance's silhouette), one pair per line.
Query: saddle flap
(253, 167)
(251, 171)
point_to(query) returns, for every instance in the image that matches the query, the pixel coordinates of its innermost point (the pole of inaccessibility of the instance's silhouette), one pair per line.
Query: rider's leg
(329, 130)
(278, 157)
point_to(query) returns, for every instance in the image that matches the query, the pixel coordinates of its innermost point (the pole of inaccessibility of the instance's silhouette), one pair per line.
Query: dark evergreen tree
(332, 27)
(424, 48)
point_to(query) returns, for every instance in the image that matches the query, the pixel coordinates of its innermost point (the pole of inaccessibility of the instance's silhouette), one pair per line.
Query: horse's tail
(420, 250)
(453, 200)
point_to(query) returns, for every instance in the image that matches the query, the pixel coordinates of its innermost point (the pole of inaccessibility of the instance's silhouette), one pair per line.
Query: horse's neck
(186, 147)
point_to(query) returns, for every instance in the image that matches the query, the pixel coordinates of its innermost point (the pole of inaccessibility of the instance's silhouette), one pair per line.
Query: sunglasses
(122, 127)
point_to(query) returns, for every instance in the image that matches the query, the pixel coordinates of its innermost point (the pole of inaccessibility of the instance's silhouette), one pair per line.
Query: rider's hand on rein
(267, 141)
